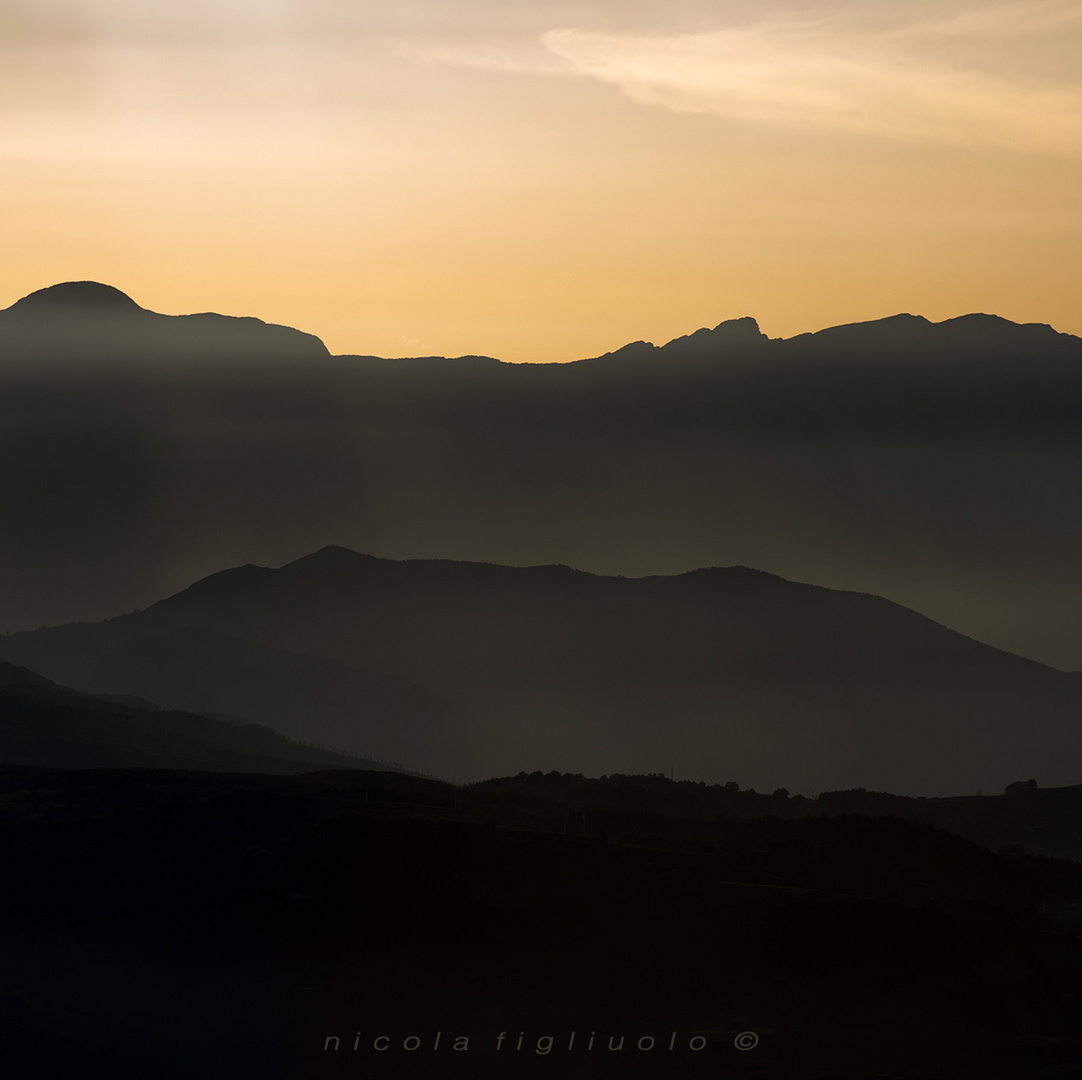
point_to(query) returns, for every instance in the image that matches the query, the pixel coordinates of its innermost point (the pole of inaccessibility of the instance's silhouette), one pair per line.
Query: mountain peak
(727, 334)
(84, 296)
(979, 323)
(745, 327)
(331, 558)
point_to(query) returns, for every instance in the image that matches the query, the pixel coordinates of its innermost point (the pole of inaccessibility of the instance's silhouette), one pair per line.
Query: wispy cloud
(821, 75)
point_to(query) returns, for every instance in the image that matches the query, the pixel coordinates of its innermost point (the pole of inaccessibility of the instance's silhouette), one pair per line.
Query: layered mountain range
(471, 669)
(934, 463)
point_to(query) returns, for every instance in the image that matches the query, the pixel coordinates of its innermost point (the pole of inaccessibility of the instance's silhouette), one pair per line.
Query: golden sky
(545, 180)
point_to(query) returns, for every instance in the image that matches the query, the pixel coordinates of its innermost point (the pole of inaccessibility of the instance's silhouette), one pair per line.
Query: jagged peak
(744, 325)
(742, 331)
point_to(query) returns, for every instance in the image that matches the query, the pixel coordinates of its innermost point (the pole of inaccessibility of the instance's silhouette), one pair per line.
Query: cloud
(819, 75)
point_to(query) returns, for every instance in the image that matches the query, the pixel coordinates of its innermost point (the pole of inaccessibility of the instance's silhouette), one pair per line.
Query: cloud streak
(820, 76)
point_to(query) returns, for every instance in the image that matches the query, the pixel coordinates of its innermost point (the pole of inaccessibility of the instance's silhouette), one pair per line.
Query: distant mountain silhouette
(44, 724)
(80, 321)
(724, 673)
(930, 462)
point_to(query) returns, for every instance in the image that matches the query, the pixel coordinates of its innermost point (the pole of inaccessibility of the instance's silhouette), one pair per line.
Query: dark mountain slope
(719, 673)
(44, 724)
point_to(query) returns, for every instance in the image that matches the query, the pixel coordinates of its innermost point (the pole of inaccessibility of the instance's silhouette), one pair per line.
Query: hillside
(44, 724)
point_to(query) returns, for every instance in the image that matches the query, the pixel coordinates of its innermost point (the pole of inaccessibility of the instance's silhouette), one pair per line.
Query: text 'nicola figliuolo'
(528, 1043)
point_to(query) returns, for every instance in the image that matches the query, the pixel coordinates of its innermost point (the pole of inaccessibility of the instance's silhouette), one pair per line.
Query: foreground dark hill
(930, 462)
(330, 925)
(719, 674)
(44, 724)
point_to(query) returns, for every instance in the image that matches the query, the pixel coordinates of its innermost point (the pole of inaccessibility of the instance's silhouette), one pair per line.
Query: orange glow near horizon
(543, 192)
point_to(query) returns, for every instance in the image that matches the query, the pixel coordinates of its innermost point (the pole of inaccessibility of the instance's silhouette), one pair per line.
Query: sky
(544, 181)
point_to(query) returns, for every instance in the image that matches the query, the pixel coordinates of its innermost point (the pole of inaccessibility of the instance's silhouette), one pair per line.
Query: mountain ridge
(335, 558)
(82, 297)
